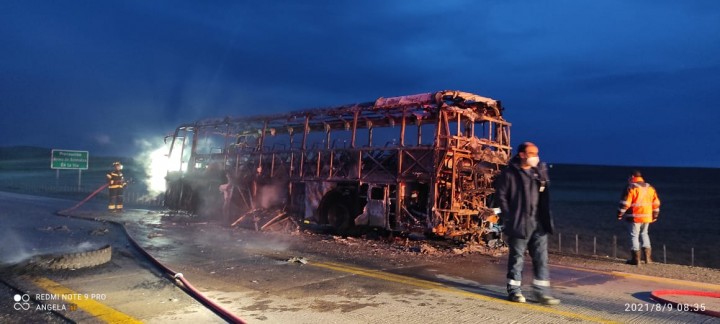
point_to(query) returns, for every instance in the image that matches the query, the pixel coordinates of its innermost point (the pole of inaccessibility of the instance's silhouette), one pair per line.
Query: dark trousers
(537, 245)
(116, 199)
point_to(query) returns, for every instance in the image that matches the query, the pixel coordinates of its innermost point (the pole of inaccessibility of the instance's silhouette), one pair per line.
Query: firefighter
(116, 185)
(642, 205)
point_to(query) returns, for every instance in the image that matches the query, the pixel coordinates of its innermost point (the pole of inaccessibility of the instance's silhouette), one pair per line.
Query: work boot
(647, 252)
(516, 297)
(546, 299)
(635, 258)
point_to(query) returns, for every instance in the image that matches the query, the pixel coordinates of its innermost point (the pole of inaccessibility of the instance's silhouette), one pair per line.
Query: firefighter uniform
(639, 206)
(116, 185)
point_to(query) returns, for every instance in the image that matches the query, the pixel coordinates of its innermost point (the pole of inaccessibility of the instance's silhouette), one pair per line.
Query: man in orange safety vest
(639, 206)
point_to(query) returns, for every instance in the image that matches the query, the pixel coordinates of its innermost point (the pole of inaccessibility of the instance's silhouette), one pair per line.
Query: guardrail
(617, 248)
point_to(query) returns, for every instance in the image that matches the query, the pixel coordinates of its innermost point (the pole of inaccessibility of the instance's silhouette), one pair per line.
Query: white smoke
(272, 195)
(154, 159)
(86, 246)
(12, 249)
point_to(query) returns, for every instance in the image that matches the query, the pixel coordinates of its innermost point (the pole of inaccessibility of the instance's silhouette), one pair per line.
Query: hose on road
(189, 288)
(175, 276)
(84, 200)
(660, 296)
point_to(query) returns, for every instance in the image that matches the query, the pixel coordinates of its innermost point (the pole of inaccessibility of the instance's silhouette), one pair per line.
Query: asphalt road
(260, 277)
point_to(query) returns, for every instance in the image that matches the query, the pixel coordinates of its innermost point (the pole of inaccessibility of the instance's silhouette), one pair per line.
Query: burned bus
(416, 163)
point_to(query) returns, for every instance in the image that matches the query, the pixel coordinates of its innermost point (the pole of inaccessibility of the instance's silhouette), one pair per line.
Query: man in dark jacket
(522, 193)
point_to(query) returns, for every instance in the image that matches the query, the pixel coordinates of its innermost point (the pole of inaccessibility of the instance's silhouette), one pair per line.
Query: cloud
(137, 69)
(102, 139)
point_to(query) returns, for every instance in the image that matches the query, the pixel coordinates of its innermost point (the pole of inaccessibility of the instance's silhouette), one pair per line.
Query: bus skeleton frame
(417, 163)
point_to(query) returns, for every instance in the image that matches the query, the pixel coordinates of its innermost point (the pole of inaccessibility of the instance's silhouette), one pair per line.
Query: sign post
(69, 159)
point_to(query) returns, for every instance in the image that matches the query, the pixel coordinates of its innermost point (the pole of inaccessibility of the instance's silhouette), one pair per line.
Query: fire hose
(658, 295)
(84, 200)
(189, 288)
(176, 276)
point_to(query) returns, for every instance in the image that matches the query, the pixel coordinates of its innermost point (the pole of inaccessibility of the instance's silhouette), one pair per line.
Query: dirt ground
(407, 249)
(268, 285)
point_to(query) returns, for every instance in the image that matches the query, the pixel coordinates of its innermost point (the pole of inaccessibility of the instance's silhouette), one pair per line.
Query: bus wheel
(338, 216)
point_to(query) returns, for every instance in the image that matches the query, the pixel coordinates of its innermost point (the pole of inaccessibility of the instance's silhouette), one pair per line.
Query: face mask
(533, 161)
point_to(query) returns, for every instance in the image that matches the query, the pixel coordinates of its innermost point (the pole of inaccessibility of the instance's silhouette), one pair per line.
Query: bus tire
(338, 216)
(72, 261)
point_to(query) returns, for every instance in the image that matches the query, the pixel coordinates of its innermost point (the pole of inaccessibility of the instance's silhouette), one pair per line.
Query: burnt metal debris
(418, 163)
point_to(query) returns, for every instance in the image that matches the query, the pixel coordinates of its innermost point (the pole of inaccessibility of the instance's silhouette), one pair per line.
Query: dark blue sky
(595, 82)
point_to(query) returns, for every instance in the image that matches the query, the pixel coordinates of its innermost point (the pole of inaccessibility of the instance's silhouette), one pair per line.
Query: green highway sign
(66, 159)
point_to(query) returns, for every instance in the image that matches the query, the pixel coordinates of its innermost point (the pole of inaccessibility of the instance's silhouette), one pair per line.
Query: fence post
(594, 245)
(559, 242)
(692, 256)
(615, 246)
(576, 244)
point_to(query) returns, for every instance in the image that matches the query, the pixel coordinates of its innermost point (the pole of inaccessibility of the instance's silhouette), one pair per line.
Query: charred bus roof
(381, 112)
